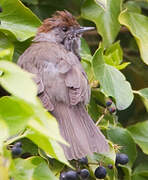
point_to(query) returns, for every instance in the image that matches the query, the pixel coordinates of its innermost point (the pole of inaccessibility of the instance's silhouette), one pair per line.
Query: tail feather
(79, 131)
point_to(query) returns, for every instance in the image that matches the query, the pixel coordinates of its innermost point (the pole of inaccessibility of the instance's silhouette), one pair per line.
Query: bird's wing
(29, 62)
(59, 74)
(77, 84)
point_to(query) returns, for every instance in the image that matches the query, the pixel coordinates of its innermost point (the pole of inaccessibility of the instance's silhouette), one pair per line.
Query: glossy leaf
(139, 132)
(31, 168)
(3, 169)
(140, 172)
(102, 3)
(46, 124)
(132, 6)
(123, 138)
(15, 113)
(18, 82)
(18, 115)
(43, 172)
(114, 56)
(18, 20)
(112, 81)
(86, 59)
(138, 26)
(127, 172)
(85, 51)
(144, 93)
(4, 133)
(105, 20)
(6, 48)
(51, 147)
(114, 53)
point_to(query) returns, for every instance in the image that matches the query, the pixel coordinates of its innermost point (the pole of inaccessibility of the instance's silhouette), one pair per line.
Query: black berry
(100, 172)
(112, 110)
(71, 175)
(84, 160)
(16, 151)
(110, 166)
(121, 159)
(18, 144)
(63, 176)
(84, 173)
(109, 103)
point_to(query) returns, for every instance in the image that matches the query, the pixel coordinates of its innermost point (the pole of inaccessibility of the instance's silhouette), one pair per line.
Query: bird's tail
(79, 130)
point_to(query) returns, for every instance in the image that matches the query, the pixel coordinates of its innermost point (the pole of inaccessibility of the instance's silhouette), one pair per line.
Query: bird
(63, 87)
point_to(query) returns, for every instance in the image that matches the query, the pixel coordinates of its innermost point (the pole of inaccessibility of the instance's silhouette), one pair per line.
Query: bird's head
(63, 28)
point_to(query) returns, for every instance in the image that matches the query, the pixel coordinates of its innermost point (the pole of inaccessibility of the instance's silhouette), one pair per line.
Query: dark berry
(121, 159)
(18, 144)
(1, 10)
(112, 110)
(71, 175)
(100, 172)
(84, 173)
(110, 166)
(84, 160)
(63, 176)
(16, 151)
(109, 103)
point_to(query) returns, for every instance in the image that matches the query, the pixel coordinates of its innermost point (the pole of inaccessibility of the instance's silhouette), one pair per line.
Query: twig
(101, 117)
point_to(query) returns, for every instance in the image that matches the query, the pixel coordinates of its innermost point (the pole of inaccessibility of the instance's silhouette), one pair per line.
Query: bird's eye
(64, 28)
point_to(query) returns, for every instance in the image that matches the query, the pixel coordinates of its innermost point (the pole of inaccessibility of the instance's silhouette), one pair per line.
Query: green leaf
(122, 66)
(34, 2)
(127, 172)
(115, 52)
(107, 158)
(123, 138)
(6, 48)
(144, 93)
(18, 82)
(85, 51)
(139, 132)
(45, 128)
(138, 26)
(86, 59)
(51, 147)
(43, 172)
(4, 133)
(102, 3)
(18, 19)
(31, 168)
(140, 172)
(3, 168)
(114, 56)
(112, 81)
(132, 6)
(105, 20)
(46, 124)
(15, 113)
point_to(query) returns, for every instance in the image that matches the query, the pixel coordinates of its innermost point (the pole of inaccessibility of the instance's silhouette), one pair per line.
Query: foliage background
(115, 52)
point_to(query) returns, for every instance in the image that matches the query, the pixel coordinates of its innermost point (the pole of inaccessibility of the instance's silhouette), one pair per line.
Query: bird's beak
(84, 29)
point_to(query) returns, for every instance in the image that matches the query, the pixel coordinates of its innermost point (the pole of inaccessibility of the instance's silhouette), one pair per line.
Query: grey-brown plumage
(62, 83)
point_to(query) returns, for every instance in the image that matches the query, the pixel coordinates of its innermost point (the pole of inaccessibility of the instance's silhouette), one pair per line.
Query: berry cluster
(100, 171)
(73, 175)
(110, 106)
